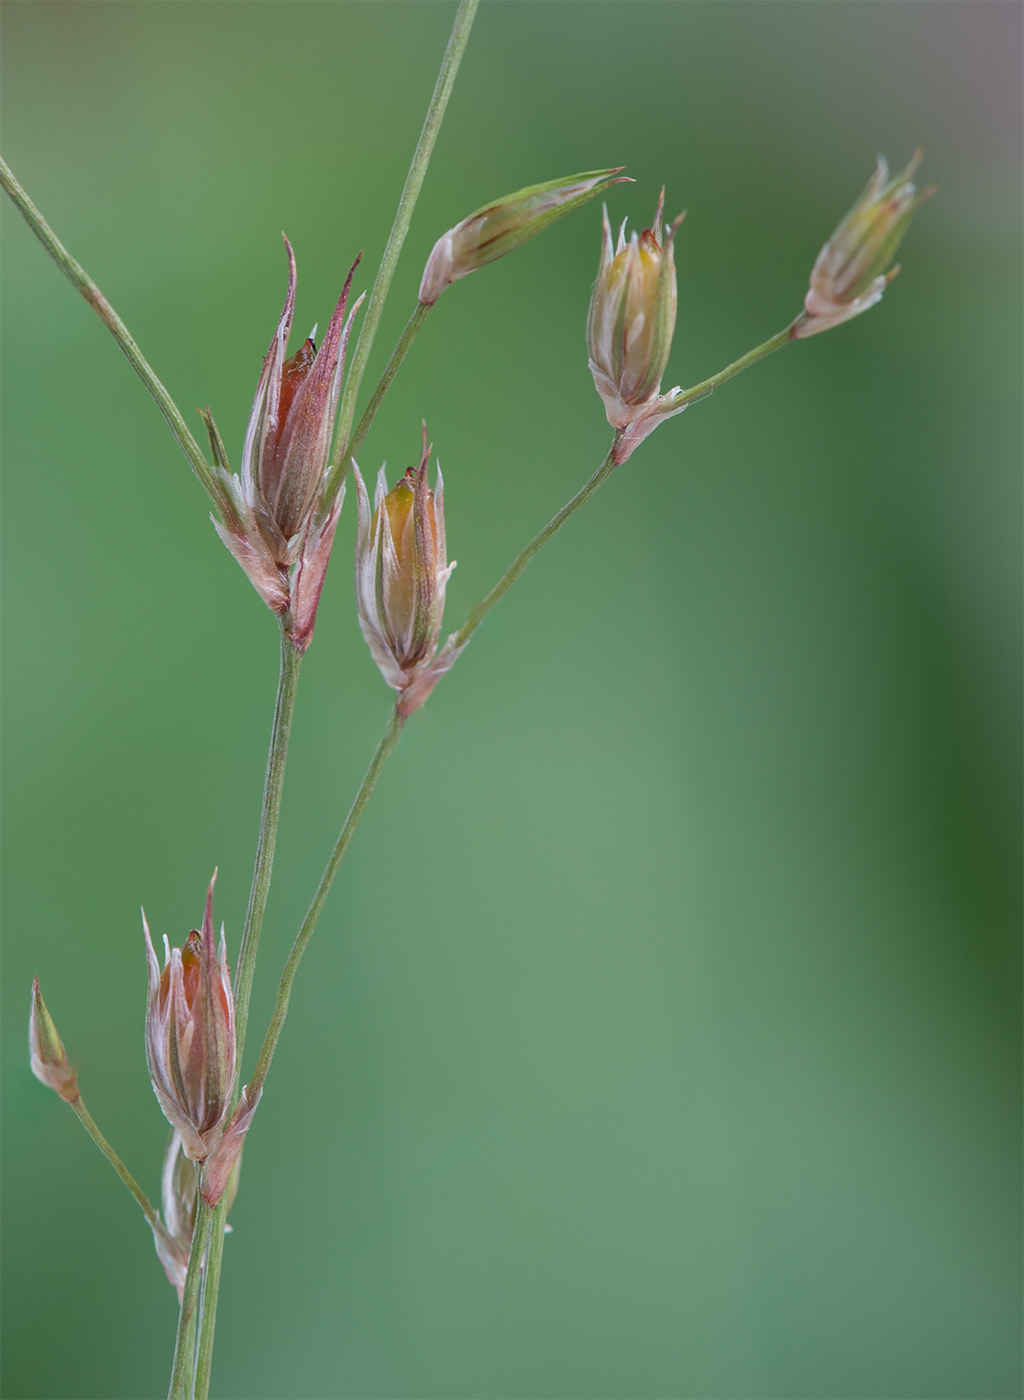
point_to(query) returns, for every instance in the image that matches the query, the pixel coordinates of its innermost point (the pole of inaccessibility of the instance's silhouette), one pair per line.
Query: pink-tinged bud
(190, 1034)
(50, 1063)
(852, 270)
(505, 224)
(402, 571)
(275, 518)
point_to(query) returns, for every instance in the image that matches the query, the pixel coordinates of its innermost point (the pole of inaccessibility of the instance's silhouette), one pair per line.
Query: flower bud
(50, 1063)
(190, 1034)
(850, 272)
(632, 318)
(402, 571)
(507, 223)
(275, 518)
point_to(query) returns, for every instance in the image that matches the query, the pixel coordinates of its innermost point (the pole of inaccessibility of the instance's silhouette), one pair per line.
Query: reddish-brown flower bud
(275, 517)
(190, 1034)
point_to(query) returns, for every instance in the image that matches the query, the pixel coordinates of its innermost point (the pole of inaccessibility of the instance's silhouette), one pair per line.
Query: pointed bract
(853, 268)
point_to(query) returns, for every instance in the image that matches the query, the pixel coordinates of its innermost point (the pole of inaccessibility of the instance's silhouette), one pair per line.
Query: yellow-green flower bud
(505, 224)
(50, 1063)
(632, 318)
(852, 270)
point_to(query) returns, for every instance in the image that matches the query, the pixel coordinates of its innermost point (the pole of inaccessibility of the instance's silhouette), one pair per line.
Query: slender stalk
(284, 710)
(183, 1370)
(384, 751)
(208, 1303)
(88, 1123)
(209, 1226)
(414, 180)
(519, 563)
(80, 279)
(699, 391)
(397, 356)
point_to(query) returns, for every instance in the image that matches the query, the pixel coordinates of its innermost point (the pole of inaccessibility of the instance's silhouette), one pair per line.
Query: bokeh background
(660, 1039)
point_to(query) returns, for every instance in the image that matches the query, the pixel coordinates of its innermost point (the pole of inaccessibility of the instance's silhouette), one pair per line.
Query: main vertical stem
(273, 786)
(403, 217)
(208, 1230)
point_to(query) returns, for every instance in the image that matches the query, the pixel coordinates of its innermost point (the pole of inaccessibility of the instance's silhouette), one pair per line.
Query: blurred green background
(661, 1037)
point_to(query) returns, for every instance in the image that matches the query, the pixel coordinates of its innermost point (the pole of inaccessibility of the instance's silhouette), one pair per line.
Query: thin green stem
(384, 751)
(88, 1123)
(284, 710)
(205, 1304)
(414, 180)
(397, 356)
(208, 1303)
(183, 1371)
(473, 621)
(80, 279)
(699, 391)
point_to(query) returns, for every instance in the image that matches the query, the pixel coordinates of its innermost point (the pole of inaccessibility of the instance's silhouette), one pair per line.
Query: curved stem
(384, 751)
(273, 786)
(80, 279)
(183, 1370)
(407, 202)
(459, 639)
(706, 386)
(397, 356)
(88, 1123)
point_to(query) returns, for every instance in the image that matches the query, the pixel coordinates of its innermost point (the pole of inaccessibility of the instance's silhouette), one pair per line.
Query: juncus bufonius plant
(279, 516)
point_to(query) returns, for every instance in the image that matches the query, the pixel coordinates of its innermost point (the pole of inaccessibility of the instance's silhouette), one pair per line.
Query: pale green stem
(213, 1221)
(384, 751)
(473, 621)
(273, 786)
(705, 387)
(182, 1385)
(397, 356)
(86, 1119)
(80, 279)
(399, 229)
(208, 1302)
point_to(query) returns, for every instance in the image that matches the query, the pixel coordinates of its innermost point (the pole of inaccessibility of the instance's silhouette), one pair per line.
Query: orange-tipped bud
(402, 571)
(852, 270)
(505, 224)
(50, 1063)
(190, 1035)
